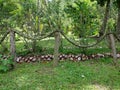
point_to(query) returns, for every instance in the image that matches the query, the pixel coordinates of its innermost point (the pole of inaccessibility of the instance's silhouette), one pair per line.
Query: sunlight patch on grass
(99, 75)
(39, 88)
(96, 87)
(22, 80)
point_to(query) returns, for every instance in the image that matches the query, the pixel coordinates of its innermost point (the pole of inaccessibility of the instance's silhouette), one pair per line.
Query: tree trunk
(106, 17)
(112, 45)
(56, 48)
(118, 24)
(12, 45)
(61, 44)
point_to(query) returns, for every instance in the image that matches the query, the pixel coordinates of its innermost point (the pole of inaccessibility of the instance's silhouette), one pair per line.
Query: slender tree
(118, 20)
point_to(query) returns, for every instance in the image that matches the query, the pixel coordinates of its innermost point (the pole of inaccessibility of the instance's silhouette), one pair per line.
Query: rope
(116, 36)
(32, 38)
(80, 46)
(83, 46)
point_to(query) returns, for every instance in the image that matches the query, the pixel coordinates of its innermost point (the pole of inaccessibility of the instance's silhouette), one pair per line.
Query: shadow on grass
(99, 75)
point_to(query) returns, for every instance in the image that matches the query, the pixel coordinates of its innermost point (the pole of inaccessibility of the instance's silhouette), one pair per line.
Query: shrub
(6, 64)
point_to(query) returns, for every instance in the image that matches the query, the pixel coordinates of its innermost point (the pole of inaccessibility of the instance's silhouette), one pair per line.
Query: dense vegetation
(72, 31)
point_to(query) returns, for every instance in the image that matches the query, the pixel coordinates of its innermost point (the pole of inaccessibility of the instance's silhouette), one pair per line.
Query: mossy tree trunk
(113, 48)
(118, 24)
(56, 48)
(106, 17)
(12, 45)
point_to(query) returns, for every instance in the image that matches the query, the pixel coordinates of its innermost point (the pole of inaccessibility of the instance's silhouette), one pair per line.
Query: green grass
(88, 75)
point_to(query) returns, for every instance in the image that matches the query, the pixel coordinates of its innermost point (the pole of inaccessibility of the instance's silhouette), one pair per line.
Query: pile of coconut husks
(62, 57)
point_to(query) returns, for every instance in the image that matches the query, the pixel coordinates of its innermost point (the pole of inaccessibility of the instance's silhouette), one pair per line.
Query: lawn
(87, 75)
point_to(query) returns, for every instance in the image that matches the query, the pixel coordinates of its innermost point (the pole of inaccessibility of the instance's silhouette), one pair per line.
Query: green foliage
(101, 2)
(81, 17)
(117, 3)
(8, 12)
(84, 21)
(39, 48)
(23, 52)
(6, 64)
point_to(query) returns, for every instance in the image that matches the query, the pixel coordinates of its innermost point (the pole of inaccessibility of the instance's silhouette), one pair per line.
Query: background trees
(85, 21)
(82, 20)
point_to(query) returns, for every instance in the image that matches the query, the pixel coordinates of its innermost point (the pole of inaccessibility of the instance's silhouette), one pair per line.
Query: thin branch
(3, 38)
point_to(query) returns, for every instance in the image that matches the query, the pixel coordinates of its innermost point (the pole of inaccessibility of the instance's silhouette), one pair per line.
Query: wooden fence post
(56, 48)
(12, 45)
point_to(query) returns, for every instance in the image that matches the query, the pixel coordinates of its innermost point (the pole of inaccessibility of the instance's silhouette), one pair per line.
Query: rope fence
(63, 34)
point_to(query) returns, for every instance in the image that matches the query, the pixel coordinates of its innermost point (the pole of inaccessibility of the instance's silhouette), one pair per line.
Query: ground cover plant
(88, 75)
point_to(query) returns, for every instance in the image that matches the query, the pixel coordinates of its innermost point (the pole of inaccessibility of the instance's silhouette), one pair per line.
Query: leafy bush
(6, 64)
(39, 48)
(24, 53)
